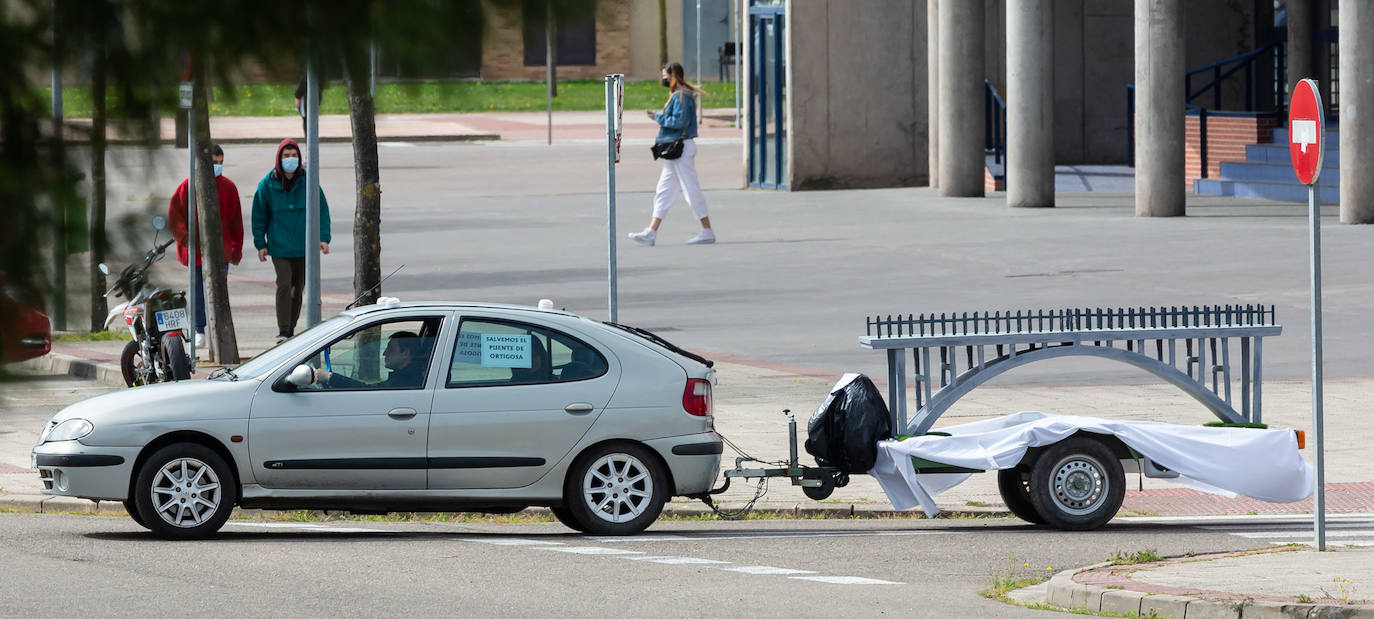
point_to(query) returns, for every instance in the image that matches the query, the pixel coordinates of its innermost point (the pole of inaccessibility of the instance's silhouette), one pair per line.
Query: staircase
(1267, 173)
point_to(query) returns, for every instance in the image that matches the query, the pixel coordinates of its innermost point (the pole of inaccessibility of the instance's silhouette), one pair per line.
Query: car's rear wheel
(132, 507)
(615, 489)
(184, 491)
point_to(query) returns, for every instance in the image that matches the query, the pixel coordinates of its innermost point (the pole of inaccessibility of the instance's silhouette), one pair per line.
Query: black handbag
(667, 150)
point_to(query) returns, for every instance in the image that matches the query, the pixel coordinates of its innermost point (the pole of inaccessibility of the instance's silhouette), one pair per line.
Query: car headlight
(70, 430)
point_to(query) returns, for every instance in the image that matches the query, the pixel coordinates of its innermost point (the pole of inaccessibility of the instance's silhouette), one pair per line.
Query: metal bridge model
(1147, 338)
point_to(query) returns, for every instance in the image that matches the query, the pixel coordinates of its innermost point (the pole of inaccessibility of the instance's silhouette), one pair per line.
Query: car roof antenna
(373, 288)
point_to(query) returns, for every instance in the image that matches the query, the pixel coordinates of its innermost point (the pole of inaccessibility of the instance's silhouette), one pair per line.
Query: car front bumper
(69, 468)
(694, 460)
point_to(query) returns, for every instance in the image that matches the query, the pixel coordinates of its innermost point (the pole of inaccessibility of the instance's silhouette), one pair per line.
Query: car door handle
(579, 408)
(401, 413)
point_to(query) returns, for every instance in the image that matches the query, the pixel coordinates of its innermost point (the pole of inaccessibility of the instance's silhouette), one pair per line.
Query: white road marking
(508, 541)
(1301, 534)
(1287, 526)
(1240, 519)
(763, 570)
(711, 537)
(845, 580)
(641, 538)
(1342, 530)
(303, 527)
(671, 560)
(589, 550)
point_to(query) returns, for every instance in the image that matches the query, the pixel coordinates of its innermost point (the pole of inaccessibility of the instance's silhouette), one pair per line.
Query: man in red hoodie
(231, 229)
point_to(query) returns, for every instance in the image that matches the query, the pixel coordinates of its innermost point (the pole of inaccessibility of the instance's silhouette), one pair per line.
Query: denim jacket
(678, 119)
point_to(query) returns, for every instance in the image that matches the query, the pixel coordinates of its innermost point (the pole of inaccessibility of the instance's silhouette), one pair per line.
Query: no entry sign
(1306, 127)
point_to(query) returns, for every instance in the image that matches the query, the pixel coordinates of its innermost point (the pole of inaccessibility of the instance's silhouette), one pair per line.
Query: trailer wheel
(821, 492)
(1014, 485)
(1077, 484)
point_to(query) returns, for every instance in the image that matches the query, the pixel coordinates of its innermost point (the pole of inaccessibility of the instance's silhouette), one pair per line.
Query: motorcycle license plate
(171, 320)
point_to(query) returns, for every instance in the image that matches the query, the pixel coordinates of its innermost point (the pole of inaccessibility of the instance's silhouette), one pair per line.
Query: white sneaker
(200, 340)
(644, 237)
(705, 237)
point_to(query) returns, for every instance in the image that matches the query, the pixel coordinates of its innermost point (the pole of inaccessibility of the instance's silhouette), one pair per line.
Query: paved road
(794, 274)
(62, 565)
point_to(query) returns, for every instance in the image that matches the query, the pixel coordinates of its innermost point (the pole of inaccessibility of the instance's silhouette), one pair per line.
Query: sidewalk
(509, 126)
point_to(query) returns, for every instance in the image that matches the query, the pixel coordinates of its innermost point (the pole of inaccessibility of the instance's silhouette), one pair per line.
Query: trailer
(1069, 477)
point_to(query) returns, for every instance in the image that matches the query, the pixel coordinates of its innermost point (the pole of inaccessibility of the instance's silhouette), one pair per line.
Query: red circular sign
(1306, 126)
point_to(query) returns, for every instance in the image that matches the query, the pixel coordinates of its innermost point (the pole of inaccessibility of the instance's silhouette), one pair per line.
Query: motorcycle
(156, 318)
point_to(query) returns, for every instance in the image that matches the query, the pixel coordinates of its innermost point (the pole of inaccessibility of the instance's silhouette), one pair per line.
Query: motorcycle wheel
(135, 369)
(174, 359)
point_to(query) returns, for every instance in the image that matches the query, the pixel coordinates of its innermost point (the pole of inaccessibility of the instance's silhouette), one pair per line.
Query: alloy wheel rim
(1079, 485)
(617, 488)
(186, 492)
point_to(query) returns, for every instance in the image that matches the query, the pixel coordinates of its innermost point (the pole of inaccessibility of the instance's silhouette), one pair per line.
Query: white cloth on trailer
(1258, 463)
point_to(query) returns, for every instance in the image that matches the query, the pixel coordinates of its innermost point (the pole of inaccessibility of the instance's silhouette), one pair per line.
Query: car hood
(183, 400)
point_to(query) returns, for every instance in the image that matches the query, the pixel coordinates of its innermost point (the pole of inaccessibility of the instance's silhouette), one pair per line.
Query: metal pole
(192, 228)
(610, 195)
(700, 115)
(738, 37)
(59, 295)
(1319, 497)
(372, 71)
(548, 64)
(312, 195)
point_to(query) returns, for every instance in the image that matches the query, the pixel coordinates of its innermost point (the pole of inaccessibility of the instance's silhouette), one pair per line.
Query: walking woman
(677, 121)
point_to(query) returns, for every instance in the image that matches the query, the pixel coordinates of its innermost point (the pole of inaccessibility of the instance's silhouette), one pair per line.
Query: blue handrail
(1220, 71)
(994, 123)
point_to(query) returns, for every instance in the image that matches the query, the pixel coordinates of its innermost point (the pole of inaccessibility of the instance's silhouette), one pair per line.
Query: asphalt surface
(64, 565)
(794, 275)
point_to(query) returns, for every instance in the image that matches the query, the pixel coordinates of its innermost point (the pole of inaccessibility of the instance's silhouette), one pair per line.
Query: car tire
(132, 507)
(1014, 486)
(201, 506)
(174, 358)
(1077, 484)
(130, 359)
(615, 489)
(564, 515)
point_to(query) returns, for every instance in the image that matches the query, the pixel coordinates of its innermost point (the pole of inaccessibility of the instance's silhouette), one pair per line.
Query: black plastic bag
(845, 430)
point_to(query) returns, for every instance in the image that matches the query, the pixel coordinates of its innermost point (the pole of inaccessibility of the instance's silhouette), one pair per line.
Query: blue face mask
(290, 164)
(219, 169)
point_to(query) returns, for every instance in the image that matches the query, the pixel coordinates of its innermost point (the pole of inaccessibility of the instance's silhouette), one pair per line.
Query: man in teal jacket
(279, 231)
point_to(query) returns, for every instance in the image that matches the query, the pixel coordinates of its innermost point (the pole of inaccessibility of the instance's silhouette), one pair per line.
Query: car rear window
(655, 339)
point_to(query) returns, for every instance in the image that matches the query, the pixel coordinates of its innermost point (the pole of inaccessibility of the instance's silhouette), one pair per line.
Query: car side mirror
(302, 376)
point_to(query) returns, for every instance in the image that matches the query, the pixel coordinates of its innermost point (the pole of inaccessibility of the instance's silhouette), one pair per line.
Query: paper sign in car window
(500, 350)
(469, 348)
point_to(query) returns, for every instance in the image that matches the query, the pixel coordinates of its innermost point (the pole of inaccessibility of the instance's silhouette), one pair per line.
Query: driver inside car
(404, 356)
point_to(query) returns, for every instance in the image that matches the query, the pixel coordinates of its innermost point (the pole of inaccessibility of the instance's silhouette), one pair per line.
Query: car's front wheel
(184, 491)
(132, 507)
(615, 489)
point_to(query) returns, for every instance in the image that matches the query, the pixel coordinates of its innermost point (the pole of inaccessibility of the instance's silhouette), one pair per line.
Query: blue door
(767, 120)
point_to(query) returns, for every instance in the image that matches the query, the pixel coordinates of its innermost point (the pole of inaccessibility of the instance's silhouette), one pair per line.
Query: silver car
(406, 407)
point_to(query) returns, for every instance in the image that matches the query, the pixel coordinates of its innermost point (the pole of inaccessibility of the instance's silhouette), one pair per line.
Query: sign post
(615, 104)
(1306, 145)
(185, 97)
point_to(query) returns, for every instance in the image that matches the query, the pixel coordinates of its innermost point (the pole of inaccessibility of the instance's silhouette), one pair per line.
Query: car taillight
(131, 314)
(696, 397)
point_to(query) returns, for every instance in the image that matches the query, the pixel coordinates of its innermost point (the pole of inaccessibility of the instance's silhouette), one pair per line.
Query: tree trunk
(662, 33)
(99, 67)
(224, 345)
(367, 214)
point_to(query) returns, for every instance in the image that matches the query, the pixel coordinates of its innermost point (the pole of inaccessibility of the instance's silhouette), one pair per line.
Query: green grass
(1149, 555)
(458, 96)
(91, 336)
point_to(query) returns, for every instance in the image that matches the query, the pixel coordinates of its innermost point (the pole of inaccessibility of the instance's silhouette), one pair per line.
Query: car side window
(385, 355)
(492, 353)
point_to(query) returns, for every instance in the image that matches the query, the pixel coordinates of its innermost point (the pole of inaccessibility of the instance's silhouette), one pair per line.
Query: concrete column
(1357, 111)
(933, 89)
(1159, 184)
(1299, 61)
(1030, 103)
(961, 98)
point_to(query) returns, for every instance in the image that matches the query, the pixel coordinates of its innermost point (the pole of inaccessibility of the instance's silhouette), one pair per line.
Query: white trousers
(680, 173)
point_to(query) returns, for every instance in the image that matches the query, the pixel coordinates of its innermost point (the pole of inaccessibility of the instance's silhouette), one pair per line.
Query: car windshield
(270, 358)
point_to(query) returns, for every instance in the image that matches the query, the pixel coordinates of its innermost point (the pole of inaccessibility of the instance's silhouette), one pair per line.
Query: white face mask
(219, 169)
(290, 164)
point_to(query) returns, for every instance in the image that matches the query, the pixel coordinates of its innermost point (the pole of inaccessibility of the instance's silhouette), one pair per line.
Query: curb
(106, 374)
(1066, 593)
(466, 137)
